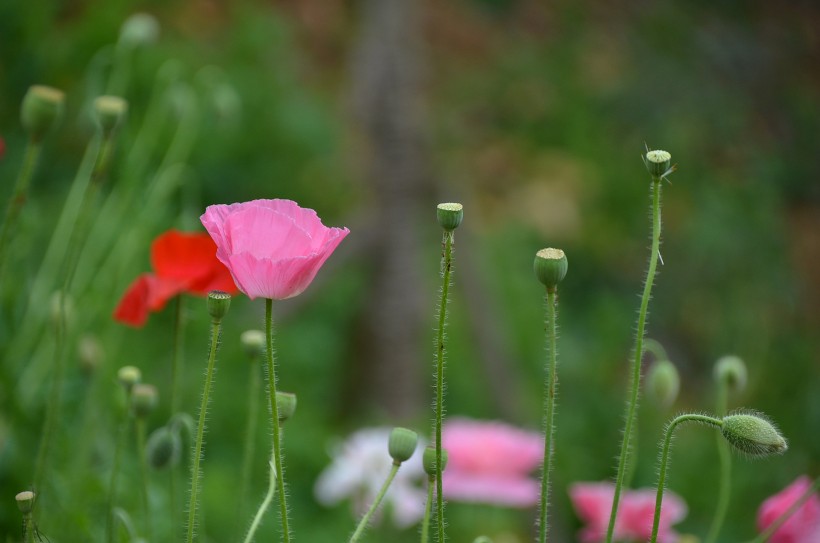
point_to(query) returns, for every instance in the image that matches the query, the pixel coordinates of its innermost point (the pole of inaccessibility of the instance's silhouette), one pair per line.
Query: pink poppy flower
(803, 526)
(491, 462)
(636, 511)
(273, 248)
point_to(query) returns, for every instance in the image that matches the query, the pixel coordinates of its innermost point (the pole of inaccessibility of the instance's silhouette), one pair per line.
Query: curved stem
(425, 526)
(250, 434)
(18, 197)
(375, 505)
(200, 433)
(112, 483)
(549, 410)
(446, 269)
(274, 409)
(654, 346)
(257, 519)
(667, 443)
(725, 459)
(143, 461)
(636, 362)
(768, 532)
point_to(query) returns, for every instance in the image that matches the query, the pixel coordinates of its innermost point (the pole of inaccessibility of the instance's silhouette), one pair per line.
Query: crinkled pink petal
(593, 503)
(490, 488)
(491, 447)
(803, 526)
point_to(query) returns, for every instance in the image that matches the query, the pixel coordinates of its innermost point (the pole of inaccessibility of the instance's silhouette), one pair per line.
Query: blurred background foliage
(532, 114)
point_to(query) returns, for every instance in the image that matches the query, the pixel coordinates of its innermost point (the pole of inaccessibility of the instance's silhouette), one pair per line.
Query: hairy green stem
(638, 354)
(725, 459)
(28, 527)
(250, 434)
(768, 532)
(18, 198)
(667, 443)
(115, 470)
(425, 526)
(375, 505)
(446, 270)
(257, 519)
(549, 410)
(143, 461)
(176, 372)
(200, 433)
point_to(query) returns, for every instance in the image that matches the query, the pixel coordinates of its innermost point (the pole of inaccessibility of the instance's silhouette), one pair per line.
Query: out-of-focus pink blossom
(803, 526)
(359, 468)
(636, 510)
(491, 462)
(273, 248)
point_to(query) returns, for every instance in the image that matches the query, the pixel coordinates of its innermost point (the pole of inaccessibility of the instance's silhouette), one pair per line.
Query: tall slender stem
(143, 461)
(375, 505)
(112, 483)
(274, 409)
(446, 269)
(428, 505)
(28, 527)
(638, 353)
(250, 434)
(18, 198)
(203, 409)
(257, 519)
(667, 442)
(549, 410)
(725, 459)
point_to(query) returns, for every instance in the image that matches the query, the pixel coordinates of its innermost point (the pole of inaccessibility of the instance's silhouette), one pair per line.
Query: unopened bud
(286, 405)
(138, 30)
(41, 109)
(663, 383)
(402, 444)
(163, 448)
(753, 434)
(428, 460)
(144, 399)
(253, 341)
(732, 371)
(25, 501)
(128, 376)
(450, 215)
(550, 267)
(218, 304)
(658, 163)
(482, 539)
(90, 354)
(109, 112)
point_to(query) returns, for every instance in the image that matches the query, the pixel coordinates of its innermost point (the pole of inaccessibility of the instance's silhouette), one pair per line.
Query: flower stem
(18, 198)
(667, 443)
(549, 410)
(274, 409)
(143, 461)
(28, 527)
(176, 372)
(425, 526)
(638, 353)
(768, 532)
(257, 519)
(112, 483)
(250, 434)
(446, 269)
(203, 409)
(375, 505)
(725, 459)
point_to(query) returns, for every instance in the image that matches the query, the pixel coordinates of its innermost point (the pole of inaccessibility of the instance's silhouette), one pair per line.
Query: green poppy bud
(286, 405)
(253, 341)
(663, 383)
(658, 162)
(128, 376)
(41, 109)
(402, 444)
(218, 304)
(25, 501)
(550, 267)
(138, 30)
(163, 448)
(732, 371)
(109, 112)
(753, 434)
(428, 460)
(449, 215)
(144, 399)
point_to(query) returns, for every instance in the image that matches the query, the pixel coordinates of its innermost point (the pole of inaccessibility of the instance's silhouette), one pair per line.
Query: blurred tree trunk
(389, 108)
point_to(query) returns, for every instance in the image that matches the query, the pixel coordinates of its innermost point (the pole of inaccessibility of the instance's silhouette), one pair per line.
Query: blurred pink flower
(273, 248)
(803, 526)
(359, 468)
(491, 462)
(636, 511)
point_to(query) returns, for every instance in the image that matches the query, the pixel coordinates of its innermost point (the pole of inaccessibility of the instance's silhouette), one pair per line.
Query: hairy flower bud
(663, 383)
(218, 304)
(450, 215)
(753, 434)
(402, 444)
(550, 267)
(428, 460)
(286, 405)
(128, 376)
(658, 162)
(41, 109)
(163, 448)
(732, 371)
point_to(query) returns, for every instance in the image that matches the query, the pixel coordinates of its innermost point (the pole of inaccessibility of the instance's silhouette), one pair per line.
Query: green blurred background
(534, 116)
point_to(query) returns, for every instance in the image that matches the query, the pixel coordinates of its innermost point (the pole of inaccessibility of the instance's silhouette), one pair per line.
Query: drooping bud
(732, 371)
(128, 376)
(218, 304)
(25, 501)
(450, 215)
(663, 383)
(402, 444)
(90, 354)
(550, 267)
(109, 112)
(41, 109)
(144, 399)
(428, 460)
(658, 162)
(253, 341)
(138, 30)
(286, 405)
(753, 434)
(163, 448)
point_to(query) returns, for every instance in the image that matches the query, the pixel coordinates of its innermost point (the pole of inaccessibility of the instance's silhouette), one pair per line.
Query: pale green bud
(253, 341)
(732, 371)
(41, 109)
(25, 501)
(286, 405)
(218, 304)
(663, 383)
(428, 460)
(550, 267)
(450, 215)
(128, 376)
(109, 112)
(402, 444)
(658, 162)
(144, 399)
(753, 434)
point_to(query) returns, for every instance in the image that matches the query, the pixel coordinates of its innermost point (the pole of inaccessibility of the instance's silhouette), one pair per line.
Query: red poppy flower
(183, 262)
(2, 147)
